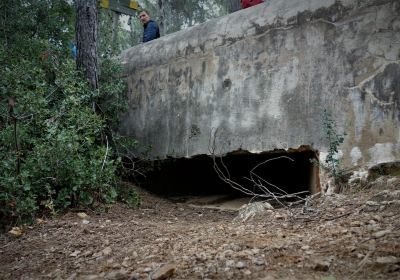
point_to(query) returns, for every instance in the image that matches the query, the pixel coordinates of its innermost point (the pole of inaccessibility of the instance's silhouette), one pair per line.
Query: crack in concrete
(368, 79)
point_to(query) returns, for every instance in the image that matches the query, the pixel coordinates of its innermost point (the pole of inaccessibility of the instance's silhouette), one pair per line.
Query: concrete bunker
(294, 171)
(262, 77)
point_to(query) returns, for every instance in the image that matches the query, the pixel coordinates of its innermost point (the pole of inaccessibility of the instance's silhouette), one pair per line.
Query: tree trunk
(161, 23)
(233, 5)
(114, 33)
(86, 39)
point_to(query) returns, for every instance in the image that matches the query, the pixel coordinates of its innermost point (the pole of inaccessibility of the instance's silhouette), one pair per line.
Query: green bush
(58, 145)
(334, 140)
(56, 151)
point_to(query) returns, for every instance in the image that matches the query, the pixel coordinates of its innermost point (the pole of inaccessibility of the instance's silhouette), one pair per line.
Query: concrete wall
(262, 76)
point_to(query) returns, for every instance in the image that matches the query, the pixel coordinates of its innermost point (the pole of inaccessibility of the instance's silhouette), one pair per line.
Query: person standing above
(248, 3)
(151, 30)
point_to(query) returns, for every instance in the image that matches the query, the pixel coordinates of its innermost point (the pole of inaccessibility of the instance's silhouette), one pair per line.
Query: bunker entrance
(292, 171)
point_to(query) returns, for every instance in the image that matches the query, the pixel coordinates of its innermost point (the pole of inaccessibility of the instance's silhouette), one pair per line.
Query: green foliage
(58, 148)
(334, 140)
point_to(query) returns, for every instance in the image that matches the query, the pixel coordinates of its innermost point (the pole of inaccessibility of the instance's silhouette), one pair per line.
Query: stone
(164, 272)
(247, 272)
(386, 196)
(82, 215)
(391, 168)
(74, 254)
(381, 233)
(259, 261)
(125, 263)
(107, 251)
(240, 265)
(387, 260)
(320, 265)
(251, 210)
(356, 223)
(230, 263)
(116, 275)
(16, 231)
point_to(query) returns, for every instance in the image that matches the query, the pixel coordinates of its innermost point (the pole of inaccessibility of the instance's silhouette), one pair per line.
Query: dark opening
(196, 176)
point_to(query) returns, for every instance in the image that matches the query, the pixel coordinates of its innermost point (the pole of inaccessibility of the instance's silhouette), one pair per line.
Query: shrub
(56, 151)
(334, 140)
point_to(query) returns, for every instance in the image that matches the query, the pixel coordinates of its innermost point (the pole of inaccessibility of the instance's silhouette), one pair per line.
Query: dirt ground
(347, 236)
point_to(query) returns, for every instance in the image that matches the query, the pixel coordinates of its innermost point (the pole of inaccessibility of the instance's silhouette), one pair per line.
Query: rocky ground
(354, 235)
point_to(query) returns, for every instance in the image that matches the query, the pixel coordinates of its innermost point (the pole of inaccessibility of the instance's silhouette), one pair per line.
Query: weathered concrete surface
(262, 76)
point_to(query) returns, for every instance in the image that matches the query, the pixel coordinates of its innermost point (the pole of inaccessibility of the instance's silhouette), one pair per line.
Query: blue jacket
(151, 31)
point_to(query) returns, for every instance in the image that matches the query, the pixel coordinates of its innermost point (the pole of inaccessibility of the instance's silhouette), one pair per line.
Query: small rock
(355, 223)
(16, 231)
(360, 256)
(240, 265)
(116, 275)
(125, 263)
(372, 227)
(351, 248)
(85, 222)
(229, 263)
(39, 221)
(381, 233)
(97, 255)
(280, 216)
(92, 277)
(321, 265)
(164, 272)
(377, 218)
(305, 248)
(82, 215)
(106, 251)
(135, 276)
(87, 253)
(371, 206)
(258, 261)
(147, 270)
(251, 210)
(387, 260)
(247, 272)
(386, 196)
(371, 203)
(75, 254)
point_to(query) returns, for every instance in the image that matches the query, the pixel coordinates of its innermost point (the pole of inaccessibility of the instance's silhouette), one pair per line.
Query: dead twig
(361, 264)
(265, 189)
(339, 216)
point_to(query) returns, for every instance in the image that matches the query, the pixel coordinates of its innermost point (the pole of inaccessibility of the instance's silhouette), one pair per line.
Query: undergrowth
(58, 142)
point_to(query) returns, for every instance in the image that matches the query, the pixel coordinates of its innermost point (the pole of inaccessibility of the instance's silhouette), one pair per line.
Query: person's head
(144, 16)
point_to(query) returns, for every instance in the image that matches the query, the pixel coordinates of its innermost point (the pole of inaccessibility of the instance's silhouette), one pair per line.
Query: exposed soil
(348, 236)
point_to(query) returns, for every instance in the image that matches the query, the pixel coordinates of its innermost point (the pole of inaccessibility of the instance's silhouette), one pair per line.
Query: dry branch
(263, 188)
